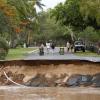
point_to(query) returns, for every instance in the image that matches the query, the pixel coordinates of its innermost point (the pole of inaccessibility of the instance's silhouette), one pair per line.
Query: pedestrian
(24, 45)
(42, 46)
(48, 46)
(68, 46)
(71, 47)
(53, 47)
(41, 52)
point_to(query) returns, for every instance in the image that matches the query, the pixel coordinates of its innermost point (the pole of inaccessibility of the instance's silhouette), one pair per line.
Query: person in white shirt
(48, 47)
(68, 46)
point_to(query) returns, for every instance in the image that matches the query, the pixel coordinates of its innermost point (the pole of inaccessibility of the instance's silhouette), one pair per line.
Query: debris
(96, 80)
(74, 80)
(11, 80)
(86, 80)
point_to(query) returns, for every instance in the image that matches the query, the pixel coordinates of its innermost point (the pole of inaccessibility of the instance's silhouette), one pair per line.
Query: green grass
(18, 53)
(87, 53)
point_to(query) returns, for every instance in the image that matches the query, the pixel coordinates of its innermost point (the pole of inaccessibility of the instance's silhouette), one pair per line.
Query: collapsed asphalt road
(50, 73)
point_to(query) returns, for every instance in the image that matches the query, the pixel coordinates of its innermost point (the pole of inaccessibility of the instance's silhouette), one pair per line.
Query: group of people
(49, 46)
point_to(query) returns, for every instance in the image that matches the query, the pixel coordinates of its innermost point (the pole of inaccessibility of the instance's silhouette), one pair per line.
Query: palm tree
(39, 4)
(26, 8)
(27, 15)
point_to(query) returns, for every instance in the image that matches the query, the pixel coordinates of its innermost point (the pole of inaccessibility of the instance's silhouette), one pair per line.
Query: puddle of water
(23, 93)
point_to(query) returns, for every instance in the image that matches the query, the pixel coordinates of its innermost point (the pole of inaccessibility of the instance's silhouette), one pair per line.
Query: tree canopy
(18, 17)
(78, 13)
(71, 20)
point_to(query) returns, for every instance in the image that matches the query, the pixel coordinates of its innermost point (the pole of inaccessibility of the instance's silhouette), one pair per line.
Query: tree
(89, 35)
(77, 15)
(69, 14)
(49, 29)
(7, 16)
(4, 47)
(25, 8)
(27, 16)
(90, 10)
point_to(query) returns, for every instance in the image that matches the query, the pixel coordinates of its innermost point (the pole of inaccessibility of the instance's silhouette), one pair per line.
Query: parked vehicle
(79, 46)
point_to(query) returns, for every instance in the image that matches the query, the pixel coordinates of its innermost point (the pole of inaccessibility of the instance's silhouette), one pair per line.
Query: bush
(92, 49)
(4, 47)
(89, 35)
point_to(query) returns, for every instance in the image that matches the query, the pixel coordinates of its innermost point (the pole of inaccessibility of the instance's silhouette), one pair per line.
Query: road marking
(33, 51)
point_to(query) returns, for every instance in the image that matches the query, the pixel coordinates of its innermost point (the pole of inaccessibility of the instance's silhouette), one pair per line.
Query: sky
(50, 3)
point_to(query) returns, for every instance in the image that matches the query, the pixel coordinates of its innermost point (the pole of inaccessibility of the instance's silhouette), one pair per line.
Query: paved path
(56, 56)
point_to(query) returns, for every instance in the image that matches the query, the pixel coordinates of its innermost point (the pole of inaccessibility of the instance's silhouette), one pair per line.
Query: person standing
(42, 46)
(53, 47)
(71, 47)
(48, 47)
(41, 52)
(68, 46)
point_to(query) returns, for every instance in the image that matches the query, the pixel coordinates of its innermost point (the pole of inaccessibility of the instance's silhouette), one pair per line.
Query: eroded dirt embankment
(49, 73)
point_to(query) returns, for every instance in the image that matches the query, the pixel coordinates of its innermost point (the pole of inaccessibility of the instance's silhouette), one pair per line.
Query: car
(79, 46)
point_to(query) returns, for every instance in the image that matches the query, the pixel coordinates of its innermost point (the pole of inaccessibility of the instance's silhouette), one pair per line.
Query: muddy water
(18, 93)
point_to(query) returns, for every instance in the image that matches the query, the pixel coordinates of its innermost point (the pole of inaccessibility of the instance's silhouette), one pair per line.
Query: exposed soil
(47, 74)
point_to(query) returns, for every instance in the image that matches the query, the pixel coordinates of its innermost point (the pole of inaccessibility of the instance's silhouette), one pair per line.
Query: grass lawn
(18, 53)
(87, 53)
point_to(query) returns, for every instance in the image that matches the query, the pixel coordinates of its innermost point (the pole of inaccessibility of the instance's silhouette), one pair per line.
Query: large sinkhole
(50, 73)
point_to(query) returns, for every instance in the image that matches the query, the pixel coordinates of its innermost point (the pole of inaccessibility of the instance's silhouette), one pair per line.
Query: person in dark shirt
(53, 47)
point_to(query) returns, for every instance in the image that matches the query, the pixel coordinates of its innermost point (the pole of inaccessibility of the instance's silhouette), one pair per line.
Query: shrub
(89, 35)
(4, 47)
